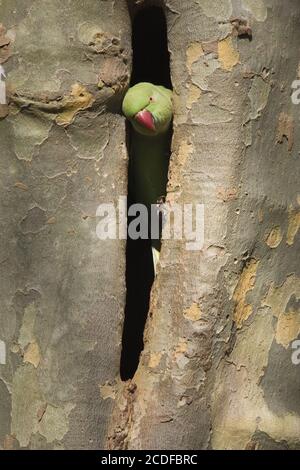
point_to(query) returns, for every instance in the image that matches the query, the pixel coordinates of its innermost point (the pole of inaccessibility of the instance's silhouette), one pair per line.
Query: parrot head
(149, 108)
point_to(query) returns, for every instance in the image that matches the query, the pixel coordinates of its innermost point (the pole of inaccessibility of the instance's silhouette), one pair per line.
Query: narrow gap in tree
(151, 63)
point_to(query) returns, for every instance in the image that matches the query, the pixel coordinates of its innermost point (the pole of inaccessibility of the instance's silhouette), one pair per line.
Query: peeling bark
(218, 339)
(216, 371)
(62, 154)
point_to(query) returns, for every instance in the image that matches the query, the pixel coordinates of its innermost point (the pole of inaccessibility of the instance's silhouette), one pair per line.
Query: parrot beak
(146, 119)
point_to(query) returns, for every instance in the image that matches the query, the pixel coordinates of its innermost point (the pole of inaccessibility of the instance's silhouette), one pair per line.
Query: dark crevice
(151, 63)
(151, 58)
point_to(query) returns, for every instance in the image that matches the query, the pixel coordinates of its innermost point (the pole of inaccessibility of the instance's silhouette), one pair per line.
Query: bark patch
(194, 93)
(79, 99)
(193, 313)
(274, 238)
(293, 227)
(154, 360)
(288, 328)
(32, 354)
(285, 130)
(228, 55)
(26, 401)
(193, 53)
(243, 310)
(278, 299)
(55, 423)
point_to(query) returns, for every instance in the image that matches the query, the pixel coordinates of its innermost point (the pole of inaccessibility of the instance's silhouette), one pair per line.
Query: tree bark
(63, 153)
(216, 371)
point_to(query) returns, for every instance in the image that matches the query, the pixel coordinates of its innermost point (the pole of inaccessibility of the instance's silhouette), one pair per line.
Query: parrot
(149, 109)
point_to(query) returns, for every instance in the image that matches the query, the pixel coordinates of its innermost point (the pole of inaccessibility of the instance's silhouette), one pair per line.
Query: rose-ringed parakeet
(149, 109)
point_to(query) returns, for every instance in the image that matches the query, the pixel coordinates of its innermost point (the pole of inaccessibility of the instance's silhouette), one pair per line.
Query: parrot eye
(150, 99)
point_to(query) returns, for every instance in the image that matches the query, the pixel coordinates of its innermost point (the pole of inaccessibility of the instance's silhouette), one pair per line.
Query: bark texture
(63, 153)
(216, 371)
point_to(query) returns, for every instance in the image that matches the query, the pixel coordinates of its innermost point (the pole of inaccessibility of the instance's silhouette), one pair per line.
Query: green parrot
(149, 109)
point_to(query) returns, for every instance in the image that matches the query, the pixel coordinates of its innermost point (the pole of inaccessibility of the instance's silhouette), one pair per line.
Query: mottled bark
(63, 153)
(216, 371)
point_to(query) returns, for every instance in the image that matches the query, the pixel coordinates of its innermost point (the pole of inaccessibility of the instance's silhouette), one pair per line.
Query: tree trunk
(63, 153)
(216, 370)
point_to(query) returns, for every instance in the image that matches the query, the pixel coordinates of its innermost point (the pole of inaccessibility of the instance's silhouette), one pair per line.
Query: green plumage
(149, 148)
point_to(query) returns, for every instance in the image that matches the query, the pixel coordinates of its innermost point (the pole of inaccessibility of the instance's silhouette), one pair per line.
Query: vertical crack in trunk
(151, 63)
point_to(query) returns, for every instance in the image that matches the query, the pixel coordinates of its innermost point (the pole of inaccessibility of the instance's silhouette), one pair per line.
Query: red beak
(145, 118)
